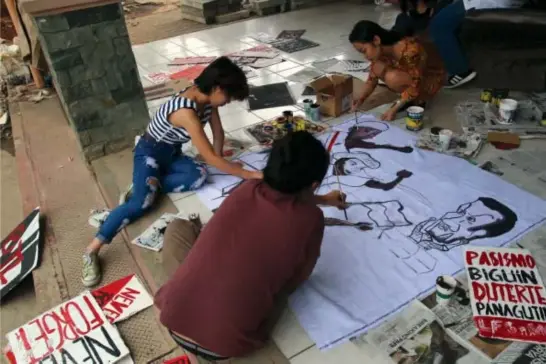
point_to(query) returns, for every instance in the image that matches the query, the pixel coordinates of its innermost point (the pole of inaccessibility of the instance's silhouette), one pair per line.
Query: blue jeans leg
(146, 172)
(184, 174)
(443, 31)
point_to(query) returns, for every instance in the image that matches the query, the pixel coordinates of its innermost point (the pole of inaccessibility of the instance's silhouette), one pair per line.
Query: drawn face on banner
(353, 164)
(483, 218)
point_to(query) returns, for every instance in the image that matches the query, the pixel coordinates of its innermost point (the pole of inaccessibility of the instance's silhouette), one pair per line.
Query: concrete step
(55, 177)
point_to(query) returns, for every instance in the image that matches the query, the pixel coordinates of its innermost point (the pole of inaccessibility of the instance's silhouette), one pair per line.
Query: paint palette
(267, 132)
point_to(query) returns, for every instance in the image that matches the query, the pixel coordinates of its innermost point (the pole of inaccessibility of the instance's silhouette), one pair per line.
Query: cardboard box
(334, 93)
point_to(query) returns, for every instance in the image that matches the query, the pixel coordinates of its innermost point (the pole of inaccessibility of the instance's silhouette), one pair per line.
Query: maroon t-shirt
(260, 242)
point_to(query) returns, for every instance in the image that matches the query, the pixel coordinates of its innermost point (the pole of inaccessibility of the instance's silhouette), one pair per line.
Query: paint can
(414, 118)
(314, 112)
(486, 95)
(307, 106)
(445, 288)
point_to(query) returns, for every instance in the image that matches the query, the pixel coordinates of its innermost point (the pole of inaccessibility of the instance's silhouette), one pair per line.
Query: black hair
(226, 75)
(364, 31)
(296, 161)
(497, 228)
(406, 5)
(339, 167)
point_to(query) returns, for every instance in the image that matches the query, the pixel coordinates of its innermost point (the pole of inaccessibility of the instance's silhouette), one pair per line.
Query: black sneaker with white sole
(460, 79)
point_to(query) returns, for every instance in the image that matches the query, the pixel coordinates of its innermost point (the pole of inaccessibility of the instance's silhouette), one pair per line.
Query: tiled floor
(329, 26)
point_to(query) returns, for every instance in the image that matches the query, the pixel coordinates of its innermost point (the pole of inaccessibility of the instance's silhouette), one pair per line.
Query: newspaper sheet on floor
(152, 237)
(415, 336)
(457, 320)
(422, 207)
(523, 353)
(76, 331)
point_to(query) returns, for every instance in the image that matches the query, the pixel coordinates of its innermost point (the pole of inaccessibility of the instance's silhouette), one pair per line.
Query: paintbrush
(339, 187)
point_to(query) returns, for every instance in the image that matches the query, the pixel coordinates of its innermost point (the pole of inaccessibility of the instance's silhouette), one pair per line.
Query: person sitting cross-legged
(228, 281)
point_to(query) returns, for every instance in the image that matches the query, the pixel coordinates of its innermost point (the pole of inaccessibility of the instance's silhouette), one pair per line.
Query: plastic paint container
(507, 110)
(314, 112)
(307, 106)
(445, 288)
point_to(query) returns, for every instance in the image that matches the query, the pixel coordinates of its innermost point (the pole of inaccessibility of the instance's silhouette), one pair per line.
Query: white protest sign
(123, 298)
(507, 294)
(76, 331)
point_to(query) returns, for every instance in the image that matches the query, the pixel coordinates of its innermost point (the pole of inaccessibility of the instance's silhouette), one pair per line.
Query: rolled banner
(445, 288)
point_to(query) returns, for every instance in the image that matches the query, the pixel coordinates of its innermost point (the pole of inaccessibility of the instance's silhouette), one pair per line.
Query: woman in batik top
(402, 63)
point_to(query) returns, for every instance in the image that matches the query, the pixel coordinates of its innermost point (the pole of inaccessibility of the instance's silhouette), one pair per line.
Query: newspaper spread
(523, 353)
(415, 336)
(456, 318)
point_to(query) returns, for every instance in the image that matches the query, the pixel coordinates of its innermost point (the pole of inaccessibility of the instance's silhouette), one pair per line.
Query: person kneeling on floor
(233, 278)
(402, 63)
(158, 162)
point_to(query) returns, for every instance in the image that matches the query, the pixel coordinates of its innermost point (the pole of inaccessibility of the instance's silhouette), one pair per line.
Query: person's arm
(218, 134)
(369, 86)
(334, 198)
(187, 119)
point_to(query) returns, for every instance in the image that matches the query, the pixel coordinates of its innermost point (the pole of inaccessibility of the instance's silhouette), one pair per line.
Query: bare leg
(397, 80)
(94, 247)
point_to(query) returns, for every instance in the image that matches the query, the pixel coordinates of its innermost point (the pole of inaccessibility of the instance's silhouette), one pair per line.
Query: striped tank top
(161, 129)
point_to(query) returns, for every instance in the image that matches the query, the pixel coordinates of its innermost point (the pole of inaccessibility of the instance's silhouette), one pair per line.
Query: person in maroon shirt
(260, 245)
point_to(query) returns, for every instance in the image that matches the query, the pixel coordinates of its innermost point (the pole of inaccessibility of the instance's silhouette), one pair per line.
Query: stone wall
(95, 73)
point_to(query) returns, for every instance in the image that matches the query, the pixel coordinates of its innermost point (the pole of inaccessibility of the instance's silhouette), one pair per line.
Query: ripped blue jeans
(157, 166)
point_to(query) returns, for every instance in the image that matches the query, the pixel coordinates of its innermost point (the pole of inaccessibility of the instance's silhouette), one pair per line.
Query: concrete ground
(20, 305)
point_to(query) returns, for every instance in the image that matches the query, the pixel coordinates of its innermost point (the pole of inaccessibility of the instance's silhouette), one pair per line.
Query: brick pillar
(90, 57)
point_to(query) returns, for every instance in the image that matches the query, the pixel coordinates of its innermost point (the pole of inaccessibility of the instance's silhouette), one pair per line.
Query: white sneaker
(91, 274)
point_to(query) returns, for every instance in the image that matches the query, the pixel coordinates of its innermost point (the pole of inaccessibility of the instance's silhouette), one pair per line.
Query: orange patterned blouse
(424, 67)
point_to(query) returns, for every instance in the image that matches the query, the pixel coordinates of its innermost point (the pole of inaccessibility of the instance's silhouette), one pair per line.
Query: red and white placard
(507, 294)
(76, 331)
(123, 298)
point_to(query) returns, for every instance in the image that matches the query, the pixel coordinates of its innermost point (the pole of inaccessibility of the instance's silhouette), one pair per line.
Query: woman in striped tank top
(158, 162)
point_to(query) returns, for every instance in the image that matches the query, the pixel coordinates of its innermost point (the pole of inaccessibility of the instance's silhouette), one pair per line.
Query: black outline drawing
(383, 217)
(427, 233)
(356, 138)
(362, 226)
(226, 190)
(373, 213)
(361, 178)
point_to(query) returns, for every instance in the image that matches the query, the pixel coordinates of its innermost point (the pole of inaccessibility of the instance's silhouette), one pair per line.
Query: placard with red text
(507, 294)
(123, 298)
(20, 252)
(76, 331)
(184, 359)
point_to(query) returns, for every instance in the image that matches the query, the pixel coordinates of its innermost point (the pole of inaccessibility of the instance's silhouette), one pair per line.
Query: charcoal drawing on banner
(410, 212)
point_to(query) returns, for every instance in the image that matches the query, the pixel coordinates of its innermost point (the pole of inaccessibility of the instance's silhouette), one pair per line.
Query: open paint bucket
(414, 118)
(445, 288)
